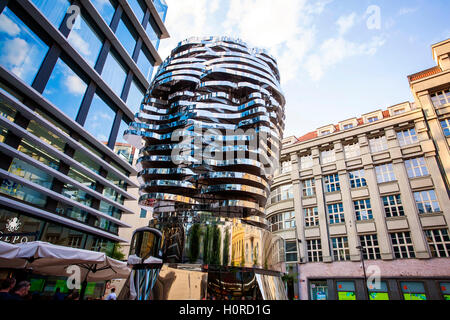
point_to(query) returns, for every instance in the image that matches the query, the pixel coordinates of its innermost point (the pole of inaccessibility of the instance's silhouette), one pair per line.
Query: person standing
(21, 290)
(112, 295)
(5, 287)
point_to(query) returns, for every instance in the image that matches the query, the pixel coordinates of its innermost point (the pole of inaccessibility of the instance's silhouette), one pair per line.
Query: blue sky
(333, 66)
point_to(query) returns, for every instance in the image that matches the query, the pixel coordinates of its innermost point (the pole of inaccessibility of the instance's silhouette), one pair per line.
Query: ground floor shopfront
(18, 226)
(411, 279)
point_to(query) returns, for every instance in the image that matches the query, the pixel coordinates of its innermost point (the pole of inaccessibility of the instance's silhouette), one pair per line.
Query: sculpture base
(203, 282)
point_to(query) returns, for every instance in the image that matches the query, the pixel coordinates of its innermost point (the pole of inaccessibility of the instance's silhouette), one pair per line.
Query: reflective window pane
(100, 119)
(22, 192)
(85, 40)
(138, 8)
(153, 32)
(24, 170)
(126, 36)
(21, 51)
(145, 63)
(122, 147)
(105, 8)
(64, 79)
(161, 7)
(135, 97)
(114, 74)
(54, 10)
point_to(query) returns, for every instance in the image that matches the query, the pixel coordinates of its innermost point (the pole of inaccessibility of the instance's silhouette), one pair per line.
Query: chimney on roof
(441, 54)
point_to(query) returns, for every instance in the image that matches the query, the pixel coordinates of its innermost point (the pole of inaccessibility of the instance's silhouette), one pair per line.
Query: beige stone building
(374, 187)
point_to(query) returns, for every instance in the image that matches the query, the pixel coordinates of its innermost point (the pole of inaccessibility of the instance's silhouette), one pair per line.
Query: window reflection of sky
(125, 37)
(152, 34)
(54, 12)
(135, 97)
(85, 40)
(114, 74)
(64, 80)
(21, 51)
(144, 65)
(105, 8)
(100, 119)
(161, 7)
(137, 9)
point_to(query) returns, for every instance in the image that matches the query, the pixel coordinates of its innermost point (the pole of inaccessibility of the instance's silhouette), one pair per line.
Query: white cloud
(345, 23)
(79, 43)
(335, 50)
(286, 29)
(16, 54)
(75, 85)
(8, 27)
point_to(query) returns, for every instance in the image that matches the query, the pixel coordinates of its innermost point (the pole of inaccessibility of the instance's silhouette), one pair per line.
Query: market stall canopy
(41, 254)
(8, 254)
(109, 269)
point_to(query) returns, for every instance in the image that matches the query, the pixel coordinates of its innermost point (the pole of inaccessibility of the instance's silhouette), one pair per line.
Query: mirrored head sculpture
(209, 132)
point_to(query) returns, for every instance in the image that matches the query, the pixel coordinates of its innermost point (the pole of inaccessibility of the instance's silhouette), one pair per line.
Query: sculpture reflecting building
(211, 126)
(72, 76)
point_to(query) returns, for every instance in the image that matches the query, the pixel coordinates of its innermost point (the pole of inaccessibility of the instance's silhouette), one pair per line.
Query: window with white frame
(378, 144)
(332, 183)
(311, 217)
(335, 213)
(426, 201)
(357, 179)
(286, 166)
(281, 193)
(445, 124)
(291, 251)
(439, 242)
(328, 156)
(441, 98)
(363, 209)
(416, 167)
(341, 251)
(314, 248)
(370, 247)
(372, 119)
(309, 188)
(393, 206)
(306, 162)
(352, 151)
(398, 111)
(402, 245)
(347, 126)
(385, 173)
(325, 132)
(407, 137)
(282, 221)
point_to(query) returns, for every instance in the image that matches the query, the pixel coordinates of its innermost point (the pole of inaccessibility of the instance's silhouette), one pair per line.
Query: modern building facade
(72, 76)
(371, 191)
(209, 132)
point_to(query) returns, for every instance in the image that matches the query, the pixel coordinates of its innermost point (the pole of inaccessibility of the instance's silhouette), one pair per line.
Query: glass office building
(72, 76)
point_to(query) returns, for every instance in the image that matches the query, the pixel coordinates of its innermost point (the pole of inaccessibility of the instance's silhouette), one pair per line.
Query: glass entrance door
(318, 290)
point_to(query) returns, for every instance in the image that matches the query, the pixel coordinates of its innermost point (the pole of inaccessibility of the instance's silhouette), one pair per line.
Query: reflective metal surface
(209, 132)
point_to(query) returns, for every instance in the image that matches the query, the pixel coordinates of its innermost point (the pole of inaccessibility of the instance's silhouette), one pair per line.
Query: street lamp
(361, 248)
